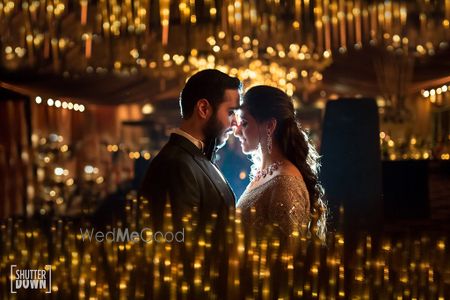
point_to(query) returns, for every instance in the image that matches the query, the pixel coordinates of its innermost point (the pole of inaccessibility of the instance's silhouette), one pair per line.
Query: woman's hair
(266, 102)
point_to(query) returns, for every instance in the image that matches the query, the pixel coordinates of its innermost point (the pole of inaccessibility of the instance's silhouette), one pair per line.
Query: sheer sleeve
(288, 205)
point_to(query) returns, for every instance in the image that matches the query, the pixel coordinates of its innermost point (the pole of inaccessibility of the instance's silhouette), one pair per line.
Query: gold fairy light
(409, 270)
(165, 14)
(184, 10)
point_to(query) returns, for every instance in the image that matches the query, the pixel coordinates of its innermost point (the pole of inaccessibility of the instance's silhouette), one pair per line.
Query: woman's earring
(269, 142)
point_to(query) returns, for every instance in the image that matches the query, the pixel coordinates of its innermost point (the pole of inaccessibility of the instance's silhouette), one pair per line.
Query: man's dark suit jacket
(182, 173)
(185, 176)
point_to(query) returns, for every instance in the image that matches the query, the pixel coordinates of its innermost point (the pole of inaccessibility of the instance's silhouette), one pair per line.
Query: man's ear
(203, 108)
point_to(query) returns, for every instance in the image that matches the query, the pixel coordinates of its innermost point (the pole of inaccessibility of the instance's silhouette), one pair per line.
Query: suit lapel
(221, 186)
(227, 184)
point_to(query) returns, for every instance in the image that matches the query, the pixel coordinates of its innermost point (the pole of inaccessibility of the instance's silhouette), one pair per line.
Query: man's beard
(214, 130)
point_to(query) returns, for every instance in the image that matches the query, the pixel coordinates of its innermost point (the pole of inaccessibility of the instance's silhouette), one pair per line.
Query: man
(182, 172)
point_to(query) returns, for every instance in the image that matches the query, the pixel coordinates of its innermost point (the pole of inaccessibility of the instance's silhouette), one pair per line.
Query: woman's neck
(269, 159)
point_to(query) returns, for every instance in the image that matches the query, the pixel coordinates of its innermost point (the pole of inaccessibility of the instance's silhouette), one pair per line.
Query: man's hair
(207, 84)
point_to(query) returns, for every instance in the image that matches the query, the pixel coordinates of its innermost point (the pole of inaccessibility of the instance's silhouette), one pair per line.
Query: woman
(284, 190)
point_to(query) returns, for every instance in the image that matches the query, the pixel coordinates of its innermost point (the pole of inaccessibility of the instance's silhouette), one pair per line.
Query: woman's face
(247, 131)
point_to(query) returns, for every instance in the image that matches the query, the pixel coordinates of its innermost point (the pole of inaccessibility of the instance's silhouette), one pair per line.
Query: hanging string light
(164, 9)
(438, 95)
(60, 104)
(286, 45)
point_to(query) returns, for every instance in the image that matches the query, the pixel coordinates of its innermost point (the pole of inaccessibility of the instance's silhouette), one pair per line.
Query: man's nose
(233, 121)
(237, 130)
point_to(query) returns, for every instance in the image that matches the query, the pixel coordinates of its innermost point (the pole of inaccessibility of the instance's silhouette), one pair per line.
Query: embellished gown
(283, 201)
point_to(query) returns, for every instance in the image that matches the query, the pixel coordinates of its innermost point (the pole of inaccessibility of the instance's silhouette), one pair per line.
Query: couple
(284, 190)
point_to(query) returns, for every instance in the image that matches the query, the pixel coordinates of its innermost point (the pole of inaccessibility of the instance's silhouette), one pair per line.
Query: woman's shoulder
(287, 182)
(288, 168)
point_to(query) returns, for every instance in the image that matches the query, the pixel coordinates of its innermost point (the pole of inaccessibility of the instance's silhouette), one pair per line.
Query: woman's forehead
(242, 111)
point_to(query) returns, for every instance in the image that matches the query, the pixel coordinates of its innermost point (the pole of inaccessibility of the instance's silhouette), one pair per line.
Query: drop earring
(269, 142)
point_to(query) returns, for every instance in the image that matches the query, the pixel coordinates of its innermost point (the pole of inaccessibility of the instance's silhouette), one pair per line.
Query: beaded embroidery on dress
(283, 200)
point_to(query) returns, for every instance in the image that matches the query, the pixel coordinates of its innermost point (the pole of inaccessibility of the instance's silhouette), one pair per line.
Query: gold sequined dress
(282, 201)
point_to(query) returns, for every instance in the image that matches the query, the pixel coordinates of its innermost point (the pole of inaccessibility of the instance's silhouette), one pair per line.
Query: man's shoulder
(173, 158)
(173, 152)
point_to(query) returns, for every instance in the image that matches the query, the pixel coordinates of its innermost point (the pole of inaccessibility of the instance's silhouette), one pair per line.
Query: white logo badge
(31, 279)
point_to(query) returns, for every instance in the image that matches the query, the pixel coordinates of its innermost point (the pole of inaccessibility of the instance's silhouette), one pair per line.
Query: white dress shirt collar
(198, 143)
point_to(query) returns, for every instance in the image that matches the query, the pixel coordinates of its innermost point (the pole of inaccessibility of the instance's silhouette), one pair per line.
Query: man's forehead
(233, 96)
(232, 92)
